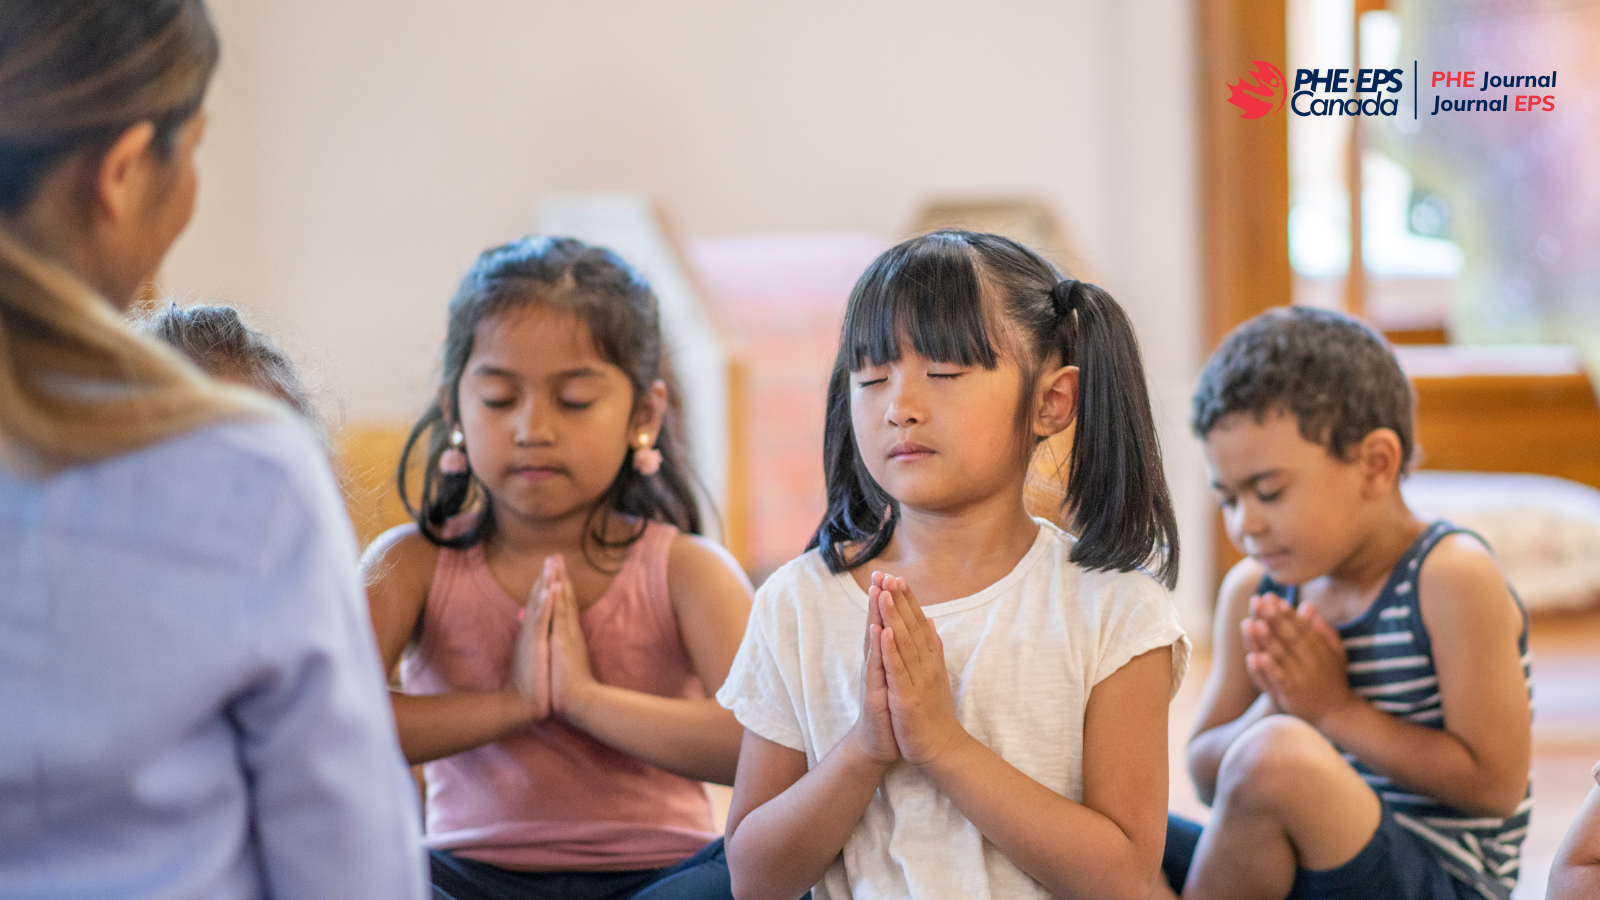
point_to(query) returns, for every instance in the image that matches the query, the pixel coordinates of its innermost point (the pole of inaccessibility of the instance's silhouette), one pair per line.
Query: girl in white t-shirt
(1002, 731)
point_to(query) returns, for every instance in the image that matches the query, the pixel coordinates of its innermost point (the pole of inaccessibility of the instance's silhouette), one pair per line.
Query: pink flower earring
(453, 461)
(646, 458)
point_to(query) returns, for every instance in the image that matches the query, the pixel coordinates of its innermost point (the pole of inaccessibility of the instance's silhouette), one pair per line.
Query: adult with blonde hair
(191, 702)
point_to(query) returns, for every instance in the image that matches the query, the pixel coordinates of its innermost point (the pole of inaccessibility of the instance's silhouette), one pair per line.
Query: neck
(1392, 530)
(54, 226)
(948, 554)
(565, 534)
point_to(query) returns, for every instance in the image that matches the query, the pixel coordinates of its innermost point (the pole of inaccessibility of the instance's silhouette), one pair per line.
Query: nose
(906, 406)
(1244, 520)
(532, 427)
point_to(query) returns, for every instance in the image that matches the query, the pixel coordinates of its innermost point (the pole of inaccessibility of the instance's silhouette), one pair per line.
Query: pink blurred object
(453, 462)
(647, 461)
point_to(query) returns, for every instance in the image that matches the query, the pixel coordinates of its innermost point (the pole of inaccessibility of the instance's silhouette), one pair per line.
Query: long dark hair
(616, 304)
(930, 290)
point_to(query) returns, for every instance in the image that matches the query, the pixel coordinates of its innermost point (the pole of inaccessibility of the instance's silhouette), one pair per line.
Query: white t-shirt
(1023, 655)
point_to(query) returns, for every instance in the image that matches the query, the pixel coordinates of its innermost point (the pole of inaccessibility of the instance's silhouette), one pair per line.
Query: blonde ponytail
(77, 384)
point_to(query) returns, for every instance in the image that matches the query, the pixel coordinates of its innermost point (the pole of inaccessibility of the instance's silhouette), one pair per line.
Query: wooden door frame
(1244, 184)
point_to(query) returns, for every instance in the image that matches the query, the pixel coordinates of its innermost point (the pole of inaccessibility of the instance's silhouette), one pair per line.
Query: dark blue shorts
(1395, 865)
(703, 876)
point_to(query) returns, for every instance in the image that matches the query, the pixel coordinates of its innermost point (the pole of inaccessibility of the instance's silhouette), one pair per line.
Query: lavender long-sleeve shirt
(191, 700)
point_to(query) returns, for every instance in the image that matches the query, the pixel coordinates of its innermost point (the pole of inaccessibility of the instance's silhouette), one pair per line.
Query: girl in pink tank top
(561, 624)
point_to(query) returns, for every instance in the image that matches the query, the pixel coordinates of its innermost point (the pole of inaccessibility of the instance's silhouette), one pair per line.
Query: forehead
(535, 341)
(1241, 445)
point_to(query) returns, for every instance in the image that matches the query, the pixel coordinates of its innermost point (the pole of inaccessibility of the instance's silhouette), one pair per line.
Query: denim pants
(703, 876)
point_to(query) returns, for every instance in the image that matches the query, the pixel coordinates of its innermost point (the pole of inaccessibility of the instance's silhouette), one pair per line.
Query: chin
(1281, 572)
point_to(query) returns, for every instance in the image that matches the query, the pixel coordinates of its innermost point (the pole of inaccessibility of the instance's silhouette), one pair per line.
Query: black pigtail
(444, 495)
(1117, 496)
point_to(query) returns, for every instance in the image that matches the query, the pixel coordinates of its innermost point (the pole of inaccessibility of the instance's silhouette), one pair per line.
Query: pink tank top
(551, 798)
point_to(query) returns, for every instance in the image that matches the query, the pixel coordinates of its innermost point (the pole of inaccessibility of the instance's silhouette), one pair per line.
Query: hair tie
(1063, 297)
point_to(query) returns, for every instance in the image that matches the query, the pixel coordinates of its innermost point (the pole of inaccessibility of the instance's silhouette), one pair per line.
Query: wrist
(1338, 719)
(578, 703)
(858, 746)
(516, 709)
(952, 756)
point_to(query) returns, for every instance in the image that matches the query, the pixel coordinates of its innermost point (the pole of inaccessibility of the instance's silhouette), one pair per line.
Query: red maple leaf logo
(1265, 92)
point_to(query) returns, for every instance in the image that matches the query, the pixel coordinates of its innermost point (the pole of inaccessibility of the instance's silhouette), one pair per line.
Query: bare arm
(1230, 703)
(399, 570)
(1576, 873)
(1118, 829)
(1479, 761)
(693, 738)
(786, 825)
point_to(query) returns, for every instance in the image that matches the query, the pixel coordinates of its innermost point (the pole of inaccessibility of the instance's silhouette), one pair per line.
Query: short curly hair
(1334, 374)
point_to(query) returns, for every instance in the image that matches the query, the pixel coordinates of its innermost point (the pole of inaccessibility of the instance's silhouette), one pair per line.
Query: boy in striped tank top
(1365, 729)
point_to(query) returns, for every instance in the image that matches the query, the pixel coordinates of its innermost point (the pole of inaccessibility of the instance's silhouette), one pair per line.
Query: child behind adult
(561, 621)
(1001, 732)
(216, 338)
(1365, 729)
(1576, 873)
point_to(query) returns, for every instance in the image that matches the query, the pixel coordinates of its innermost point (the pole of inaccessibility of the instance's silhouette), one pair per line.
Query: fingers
(897, 675)
(903, 590)
(536, 594)
(897, 619)
(1268, 670)
(874, 614)
(875, 677)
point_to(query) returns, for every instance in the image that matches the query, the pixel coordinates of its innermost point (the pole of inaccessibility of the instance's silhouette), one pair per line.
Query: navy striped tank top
(1390, 663)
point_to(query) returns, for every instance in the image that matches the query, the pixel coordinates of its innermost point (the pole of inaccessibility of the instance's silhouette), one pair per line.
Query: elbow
(1505, 802)
(1135, 886)
(741, 884)
(1498, 797)
(1140, 888)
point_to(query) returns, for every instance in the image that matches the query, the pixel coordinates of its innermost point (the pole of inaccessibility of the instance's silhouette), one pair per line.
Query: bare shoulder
(398, 570)
(696, 565)
(1460, 582)
(1238, 586)
(710, 598)
(400, 555)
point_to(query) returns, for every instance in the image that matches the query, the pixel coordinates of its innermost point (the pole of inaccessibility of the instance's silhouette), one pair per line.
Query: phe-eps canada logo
(1264, 90)
(1264, 94)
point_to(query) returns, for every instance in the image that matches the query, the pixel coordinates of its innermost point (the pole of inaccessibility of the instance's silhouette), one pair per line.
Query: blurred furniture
(366, 458)
(1505, 409)
(1545, 531)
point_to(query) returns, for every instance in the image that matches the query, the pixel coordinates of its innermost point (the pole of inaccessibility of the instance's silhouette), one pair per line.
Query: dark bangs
(928, 290)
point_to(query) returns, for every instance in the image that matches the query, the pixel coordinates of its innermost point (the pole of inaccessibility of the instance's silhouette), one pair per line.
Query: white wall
(361, 153)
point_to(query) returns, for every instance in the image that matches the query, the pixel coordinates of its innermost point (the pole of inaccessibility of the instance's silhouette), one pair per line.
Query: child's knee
(1274, 762)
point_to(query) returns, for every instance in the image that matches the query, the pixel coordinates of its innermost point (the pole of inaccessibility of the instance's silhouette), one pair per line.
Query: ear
(1380, 458)
(647, 418)
(1057, 402)
(123, 178)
